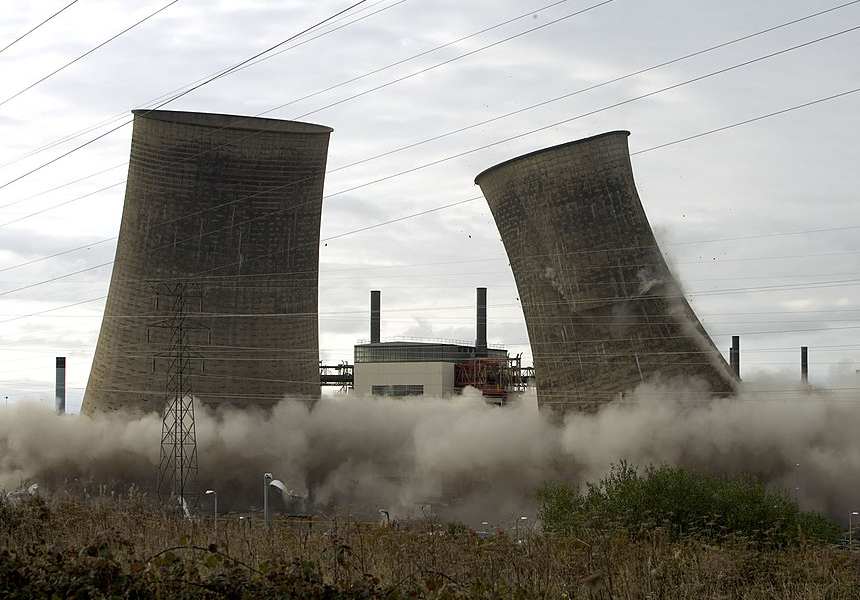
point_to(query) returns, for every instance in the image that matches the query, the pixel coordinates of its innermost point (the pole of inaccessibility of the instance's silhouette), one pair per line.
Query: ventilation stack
(481, 329)
(375, 316)
(735, 356)
(60, 387)
(804, 365)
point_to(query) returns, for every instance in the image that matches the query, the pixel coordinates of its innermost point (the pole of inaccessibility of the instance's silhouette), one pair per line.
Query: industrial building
(216, 262)
(405, 367)
(602, 309)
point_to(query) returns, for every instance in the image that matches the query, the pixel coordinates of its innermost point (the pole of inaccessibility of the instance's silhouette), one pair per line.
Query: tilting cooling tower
(228, 207)
(603, 311)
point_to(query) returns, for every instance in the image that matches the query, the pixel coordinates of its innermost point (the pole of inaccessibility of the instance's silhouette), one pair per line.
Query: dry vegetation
(121, 548)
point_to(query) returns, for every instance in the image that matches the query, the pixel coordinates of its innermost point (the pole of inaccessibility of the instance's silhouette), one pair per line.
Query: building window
(397, 390)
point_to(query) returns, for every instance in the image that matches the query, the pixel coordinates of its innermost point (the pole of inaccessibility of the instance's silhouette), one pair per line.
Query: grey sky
(794, 172)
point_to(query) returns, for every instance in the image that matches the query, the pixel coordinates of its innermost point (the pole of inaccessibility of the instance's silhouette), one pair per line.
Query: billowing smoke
(456, 457)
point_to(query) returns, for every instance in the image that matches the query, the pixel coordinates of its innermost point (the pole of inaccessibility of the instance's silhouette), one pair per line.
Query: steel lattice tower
(177, 468)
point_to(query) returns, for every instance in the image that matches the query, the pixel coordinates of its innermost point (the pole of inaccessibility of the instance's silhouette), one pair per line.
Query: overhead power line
(490, 145)
(670, 293)
(68, 183)
(88, 52)
(250, 259)
(247, 61)
(539, 129)
(124, 115)
(375, 71)
(473, 125)
(28, 32)
(221, 74)
(753, 120)
(765, 116)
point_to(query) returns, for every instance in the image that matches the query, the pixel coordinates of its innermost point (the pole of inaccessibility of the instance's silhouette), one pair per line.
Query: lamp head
(855, 513)
(277, 483)
(210, 491)
(267, 476)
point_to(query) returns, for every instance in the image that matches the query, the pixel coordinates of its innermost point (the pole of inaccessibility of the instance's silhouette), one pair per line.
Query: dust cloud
(457, 458)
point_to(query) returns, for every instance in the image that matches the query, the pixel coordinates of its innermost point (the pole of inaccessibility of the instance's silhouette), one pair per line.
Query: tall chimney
(60, 390)
(375, 302)
(481, 340)
(735, 355)
(804, 365)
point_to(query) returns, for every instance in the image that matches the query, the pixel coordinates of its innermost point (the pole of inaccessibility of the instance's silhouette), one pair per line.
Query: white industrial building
(406, 367)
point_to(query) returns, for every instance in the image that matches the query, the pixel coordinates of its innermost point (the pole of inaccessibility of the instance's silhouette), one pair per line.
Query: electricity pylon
(177, 465)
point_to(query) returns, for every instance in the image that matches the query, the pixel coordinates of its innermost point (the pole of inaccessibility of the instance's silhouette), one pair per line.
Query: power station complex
(218, 253)
(221, 220)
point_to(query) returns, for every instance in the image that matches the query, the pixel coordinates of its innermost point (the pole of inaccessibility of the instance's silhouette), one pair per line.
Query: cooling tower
(225, 210)
(602, 310)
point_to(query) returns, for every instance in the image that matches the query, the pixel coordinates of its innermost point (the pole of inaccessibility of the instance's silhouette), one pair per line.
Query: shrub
(683, 501)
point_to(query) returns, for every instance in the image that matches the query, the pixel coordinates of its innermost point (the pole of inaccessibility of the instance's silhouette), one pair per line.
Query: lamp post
(382, 511)
(215, 495)
(518, 527)
(267, 478)
(850, 537)
(798, 480)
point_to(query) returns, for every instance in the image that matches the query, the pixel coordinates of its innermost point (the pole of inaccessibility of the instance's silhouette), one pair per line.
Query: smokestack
(804, 365)
(481, 340)
(60, 390)
(375, 302)
(735, 355)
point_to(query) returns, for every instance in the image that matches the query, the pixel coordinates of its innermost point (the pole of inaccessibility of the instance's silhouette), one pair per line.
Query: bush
(685, 502)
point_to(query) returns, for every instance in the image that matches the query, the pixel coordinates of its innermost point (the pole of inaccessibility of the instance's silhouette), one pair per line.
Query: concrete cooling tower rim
(550, 149)
(235, 122)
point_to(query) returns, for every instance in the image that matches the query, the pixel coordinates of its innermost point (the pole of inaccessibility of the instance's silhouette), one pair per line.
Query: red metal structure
(496, 377)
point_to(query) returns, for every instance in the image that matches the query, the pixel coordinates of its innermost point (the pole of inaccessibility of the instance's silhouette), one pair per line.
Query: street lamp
(850, 538)
(215, 494)
(518, 526)
(269, 481)
(382, 511)
(267, 478)
(798, 480)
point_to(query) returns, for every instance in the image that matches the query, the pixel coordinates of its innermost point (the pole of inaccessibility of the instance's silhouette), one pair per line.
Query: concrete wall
(232, 204)
(436, 377)
(602, 309)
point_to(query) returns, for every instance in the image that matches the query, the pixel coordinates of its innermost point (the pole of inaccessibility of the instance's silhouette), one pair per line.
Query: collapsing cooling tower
(229, 207)
(602, 310)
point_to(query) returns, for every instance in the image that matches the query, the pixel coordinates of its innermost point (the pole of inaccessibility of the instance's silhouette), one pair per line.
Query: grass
(113, 547)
